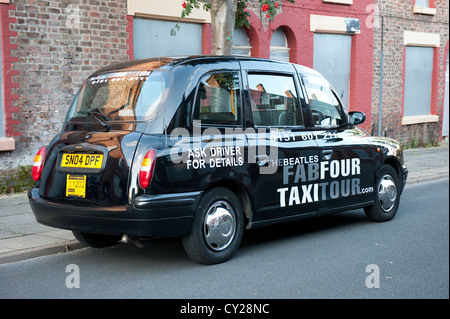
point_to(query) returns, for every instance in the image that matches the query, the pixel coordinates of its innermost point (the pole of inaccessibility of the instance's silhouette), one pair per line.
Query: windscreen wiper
(97, 116)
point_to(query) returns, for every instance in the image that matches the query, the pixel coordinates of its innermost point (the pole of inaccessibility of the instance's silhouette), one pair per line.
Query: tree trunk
(223, 15)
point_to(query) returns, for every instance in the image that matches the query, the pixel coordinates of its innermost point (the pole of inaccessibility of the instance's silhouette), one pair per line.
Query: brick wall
(50, 46)
(54, 46)
(7, 48)
(398, 17)
(294, 19)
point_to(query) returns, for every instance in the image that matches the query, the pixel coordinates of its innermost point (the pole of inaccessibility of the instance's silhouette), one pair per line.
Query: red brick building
(413, 37)
(294, 32)
(49, 47)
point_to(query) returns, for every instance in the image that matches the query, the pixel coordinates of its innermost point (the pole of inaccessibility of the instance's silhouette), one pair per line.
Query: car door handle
(262, 160)
(326, 155)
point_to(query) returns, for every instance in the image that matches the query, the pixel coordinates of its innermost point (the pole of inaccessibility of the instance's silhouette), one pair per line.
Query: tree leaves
(268, 7)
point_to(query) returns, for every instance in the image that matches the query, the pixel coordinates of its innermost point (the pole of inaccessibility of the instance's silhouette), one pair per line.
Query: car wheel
(217, 228)
(96, 240)
(387, 195)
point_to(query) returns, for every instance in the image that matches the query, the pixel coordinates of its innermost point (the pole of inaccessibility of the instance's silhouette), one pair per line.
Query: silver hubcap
(219, 226)
(387, 193)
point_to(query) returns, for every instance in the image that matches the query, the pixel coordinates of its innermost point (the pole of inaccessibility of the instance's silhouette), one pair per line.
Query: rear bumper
(148, 215)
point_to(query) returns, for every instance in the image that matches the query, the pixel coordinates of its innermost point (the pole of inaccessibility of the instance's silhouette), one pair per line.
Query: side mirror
(356, 118)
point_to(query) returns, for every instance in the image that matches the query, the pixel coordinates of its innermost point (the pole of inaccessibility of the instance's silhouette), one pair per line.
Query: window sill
(348, 2)
(332, 24)
(7, 144)
(424, 10)
(408, 120)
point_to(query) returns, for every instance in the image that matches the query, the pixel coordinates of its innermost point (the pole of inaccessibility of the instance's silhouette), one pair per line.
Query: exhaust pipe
(139, 242)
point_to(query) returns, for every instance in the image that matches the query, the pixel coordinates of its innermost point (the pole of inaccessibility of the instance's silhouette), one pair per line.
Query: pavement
(21, 237)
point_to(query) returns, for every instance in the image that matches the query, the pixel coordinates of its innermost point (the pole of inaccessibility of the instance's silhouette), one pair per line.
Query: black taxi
(204, 147)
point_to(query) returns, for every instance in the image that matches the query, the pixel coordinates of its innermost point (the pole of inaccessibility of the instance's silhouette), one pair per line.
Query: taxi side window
(325, 107)
(274, 100)
(218, 99)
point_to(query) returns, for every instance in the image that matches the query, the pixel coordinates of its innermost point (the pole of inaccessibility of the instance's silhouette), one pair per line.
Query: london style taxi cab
(205, 147)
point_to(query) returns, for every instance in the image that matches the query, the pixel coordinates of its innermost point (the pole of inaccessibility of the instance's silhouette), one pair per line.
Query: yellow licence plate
(76, 186)
(82, 160)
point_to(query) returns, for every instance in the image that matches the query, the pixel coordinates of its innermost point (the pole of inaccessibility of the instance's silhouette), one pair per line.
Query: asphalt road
(329, 257)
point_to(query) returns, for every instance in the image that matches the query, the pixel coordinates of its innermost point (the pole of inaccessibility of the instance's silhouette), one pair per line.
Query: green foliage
(18, 181)
(242, 15)
(268, 7)
(188, 5)
(414, 143)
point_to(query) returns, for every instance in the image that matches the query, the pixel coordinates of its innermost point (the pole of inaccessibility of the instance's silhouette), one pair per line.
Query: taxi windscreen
(120, 97)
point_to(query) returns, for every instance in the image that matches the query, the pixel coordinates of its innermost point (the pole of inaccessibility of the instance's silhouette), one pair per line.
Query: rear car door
(211, 147)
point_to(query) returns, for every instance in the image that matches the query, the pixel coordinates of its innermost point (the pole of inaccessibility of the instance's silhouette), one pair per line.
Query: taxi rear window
(121, 97)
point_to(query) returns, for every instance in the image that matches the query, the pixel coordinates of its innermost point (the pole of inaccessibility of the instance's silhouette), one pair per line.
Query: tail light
(147, 168)
(38, 163)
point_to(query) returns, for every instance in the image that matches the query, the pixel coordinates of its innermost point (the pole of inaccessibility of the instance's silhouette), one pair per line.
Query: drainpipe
(380, 97)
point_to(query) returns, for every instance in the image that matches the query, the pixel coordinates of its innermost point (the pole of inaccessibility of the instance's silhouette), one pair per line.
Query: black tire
(96, 240)
(387, 195)
(217, 228)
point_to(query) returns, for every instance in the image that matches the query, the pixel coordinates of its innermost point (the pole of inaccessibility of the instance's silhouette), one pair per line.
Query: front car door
(285, 158)
(346, 157)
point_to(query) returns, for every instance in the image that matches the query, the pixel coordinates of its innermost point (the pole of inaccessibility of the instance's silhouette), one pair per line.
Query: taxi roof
(172, 61)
